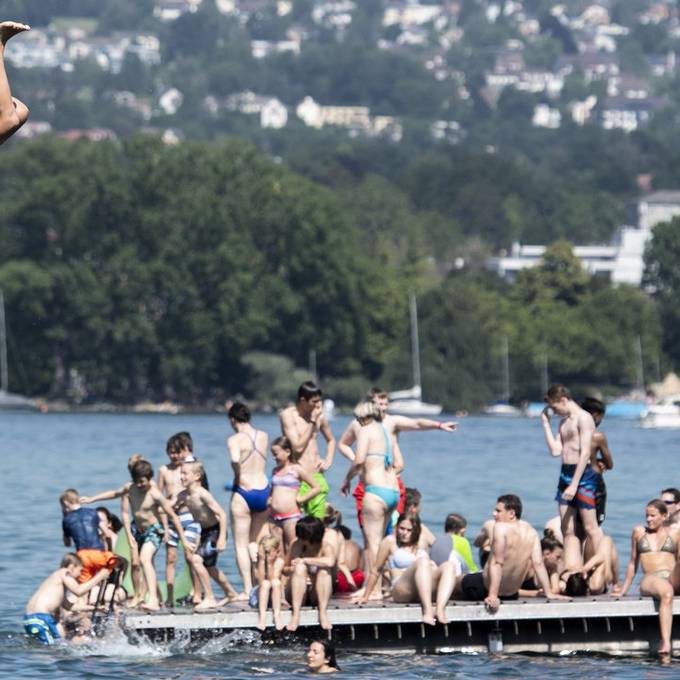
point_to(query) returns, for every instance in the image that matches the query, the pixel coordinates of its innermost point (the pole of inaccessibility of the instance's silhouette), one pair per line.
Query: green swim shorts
(316, 507)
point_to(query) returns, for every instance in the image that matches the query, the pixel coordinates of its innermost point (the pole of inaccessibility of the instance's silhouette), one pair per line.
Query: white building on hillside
(621, 261)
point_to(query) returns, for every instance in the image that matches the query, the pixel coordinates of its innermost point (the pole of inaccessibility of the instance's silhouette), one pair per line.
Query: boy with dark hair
(601, 457)
(300, 424)
(145, 501)
(42, 610)
(312, 556)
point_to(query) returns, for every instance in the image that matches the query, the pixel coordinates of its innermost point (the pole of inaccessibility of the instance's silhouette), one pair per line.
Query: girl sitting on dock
(654, 546)
(269, 576)
(378, 460)
(414, 576)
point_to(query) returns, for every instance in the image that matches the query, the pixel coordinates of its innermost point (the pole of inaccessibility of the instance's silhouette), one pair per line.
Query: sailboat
(503, 407)
(7, 399)
(410, 402)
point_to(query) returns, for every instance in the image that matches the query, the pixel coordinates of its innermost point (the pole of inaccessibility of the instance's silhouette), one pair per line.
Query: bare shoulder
(639, 531)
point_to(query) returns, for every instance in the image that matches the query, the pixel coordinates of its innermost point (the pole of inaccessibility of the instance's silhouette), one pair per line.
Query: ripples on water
(464, 472)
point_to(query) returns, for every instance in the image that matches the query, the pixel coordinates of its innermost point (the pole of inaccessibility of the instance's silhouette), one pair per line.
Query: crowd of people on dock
(292, 548)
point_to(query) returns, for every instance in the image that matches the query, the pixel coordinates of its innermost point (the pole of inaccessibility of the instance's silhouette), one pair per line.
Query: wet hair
(141, 470)
(412, 497)
(114, 520)
(511, 502)
(659, 505)
(367, 409)
(593, 406)
(69, 496)
(134, 458)
(181, 441)
(673, 492)
(454, 523)
(328, 652)
(376, 392)
(549, 541)
(239, 412)
(345, 531)
(71, 560)
(557, 392)
(576, 585)
(310, 529)
(414, 518)
(307, 390)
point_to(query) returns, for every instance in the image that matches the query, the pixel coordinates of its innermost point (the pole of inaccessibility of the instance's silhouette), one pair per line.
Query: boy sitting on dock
(312, 556)
(269, 576)
(213, 520)
(145, 501)
(42, 609)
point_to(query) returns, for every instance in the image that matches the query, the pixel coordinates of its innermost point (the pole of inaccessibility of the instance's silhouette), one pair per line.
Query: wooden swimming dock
(621, 626)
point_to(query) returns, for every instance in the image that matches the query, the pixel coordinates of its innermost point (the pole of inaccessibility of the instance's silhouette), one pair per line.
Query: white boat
(9, 401)
(502, 408)
(663, 413)
(410, 402)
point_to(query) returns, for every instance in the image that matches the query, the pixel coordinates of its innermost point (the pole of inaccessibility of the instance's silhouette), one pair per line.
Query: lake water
(462, 472)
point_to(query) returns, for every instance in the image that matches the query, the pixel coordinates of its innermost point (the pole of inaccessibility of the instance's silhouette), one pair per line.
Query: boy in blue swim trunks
(578, 482)
(145, 502)
(42, 610)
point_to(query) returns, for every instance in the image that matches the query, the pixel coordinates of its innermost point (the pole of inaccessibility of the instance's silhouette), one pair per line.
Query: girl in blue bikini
(378, 460)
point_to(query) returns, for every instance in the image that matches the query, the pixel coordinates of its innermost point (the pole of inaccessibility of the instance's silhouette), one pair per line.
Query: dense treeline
(137, 270)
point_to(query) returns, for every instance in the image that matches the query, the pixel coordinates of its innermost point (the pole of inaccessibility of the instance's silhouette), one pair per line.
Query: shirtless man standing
(300, 424)
(13, 113)
(514, 548)
(578, 481)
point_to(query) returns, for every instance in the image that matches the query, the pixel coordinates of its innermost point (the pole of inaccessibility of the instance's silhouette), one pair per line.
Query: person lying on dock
(42, 610)
(597, 575)
(312, 556)
(414, 576)
(269, 577)
(213, 520)
(514, 548)
(145, 503)
(655, 548)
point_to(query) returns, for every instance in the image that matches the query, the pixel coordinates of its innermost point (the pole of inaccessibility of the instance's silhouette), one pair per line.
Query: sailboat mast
(640, 377)
(415, 345)
(506, 369)
(3, 347)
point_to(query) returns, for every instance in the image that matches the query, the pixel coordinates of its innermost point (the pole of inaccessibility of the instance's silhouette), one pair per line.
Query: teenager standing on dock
(249, 502)
(301, 424)
(13, 113)
(600, 457)
(578, 481)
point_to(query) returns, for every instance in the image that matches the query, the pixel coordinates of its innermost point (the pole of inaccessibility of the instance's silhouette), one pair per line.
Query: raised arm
(106, 495)
(406, 424)
(554, 443)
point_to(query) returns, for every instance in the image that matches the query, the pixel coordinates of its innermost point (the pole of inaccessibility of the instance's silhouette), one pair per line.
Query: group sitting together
(292, 548)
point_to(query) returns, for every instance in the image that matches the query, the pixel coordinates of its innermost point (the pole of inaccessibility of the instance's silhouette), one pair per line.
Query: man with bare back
(300, 424)
(578, 483)
(13, 113)
(514, 548)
